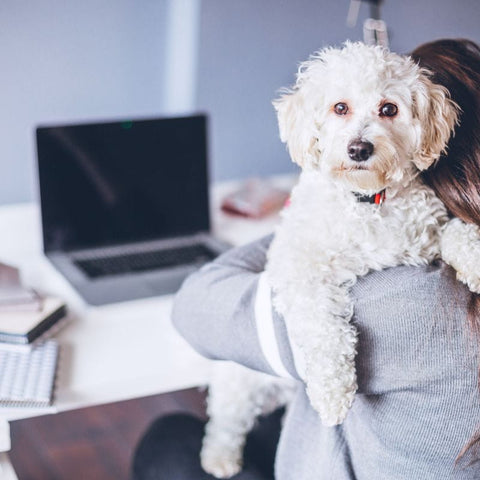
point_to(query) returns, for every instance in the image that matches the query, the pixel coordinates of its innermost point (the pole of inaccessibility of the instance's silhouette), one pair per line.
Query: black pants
(170, 449)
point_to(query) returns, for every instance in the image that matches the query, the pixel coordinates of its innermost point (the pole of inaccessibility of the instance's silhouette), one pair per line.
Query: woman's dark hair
(455, 178)
(455, 64)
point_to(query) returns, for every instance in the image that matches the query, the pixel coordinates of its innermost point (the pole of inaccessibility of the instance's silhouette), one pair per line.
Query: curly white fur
(316, 256)
(237, 396)
(327, 238)
(460, 247)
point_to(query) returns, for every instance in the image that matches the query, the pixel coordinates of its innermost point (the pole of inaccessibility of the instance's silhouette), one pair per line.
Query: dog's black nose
(360, 150)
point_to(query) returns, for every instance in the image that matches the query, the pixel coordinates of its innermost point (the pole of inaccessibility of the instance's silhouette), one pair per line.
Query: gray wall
(65, 60)
(251, 48)
(69, 60)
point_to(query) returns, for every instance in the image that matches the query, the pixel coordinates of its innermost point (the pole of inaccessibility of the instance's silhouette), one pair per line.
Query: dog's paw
(332, 402)
(331, 413)
(221, 464)
(335, 414)
(460, 248)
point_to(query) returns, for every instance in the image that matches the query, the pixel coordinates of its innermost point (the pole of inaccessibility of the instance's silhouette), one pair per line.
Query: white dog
(361, 122)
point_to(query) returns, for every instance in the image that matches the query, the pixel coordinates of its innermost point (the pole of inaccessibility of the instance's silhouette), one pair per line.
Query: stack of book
(22, 323)
(28, 359)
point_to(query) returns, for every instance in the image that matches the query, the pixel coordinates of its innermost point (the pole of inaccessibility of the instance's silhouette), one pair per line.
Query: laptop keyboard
(144, 261)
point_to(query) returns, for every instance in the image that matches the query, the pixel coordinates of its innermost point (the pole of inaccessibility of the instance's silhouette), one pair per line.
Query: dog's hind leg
(237, 396)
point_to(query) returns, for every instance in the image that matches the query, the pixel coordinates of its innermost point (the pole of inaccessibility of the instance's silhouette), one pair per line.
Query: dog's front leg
(319, 324)
(310, 283)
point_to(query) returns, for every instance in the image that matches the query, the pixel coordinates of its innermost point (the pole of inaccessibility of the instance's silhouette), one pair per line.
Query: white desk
(114, 352)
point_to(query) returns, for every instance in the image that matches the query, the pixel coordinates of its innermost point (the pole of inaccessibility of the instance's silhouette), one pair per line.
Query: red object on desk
(255, 199)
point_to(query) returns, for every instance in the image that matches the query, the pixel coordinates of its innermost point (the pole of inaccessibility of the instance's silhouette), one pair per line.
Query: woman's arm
(401, 315)
(224, 311)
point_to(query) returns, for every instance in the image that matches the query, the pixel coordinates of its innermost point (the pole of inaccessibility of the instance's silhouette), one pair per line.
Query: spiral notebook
(27, 374)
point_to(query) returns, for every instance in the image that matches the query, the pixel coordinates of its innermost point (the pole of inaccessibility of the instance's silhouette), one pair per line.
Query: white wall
(72, 60)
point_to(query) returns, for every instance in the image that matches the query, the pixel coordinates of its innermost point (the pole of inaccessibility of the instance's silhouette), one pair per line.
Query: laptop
(124, 205)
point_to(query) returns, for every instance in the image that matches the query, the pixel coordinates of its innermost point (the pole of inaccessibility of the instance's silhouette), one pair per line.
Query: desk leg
(6, 470)
(5, 443)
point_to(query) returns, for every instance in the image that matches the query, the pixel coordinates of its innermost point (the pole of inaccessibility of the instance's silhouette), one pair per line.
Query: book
(9, 275)
(23, 327)
(27, 374)
(17, 298)
(14, 296)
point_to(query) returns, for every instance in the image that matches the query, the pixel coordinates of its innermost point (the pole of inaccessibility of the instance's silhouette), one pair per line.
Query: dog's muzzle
(360, 150)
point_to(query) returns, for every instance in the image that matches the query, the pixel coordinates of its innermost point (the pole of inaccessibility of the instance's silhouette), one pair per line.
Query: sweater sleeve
(224, 311)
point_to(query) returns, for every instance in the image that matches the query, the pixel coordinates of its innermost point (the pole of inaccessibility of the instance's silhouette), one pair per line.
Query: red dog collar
(377, 198)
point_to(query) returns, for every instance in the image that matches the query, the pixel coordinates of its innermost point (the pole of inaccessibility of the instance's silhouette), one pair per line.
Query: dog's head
(366, 116)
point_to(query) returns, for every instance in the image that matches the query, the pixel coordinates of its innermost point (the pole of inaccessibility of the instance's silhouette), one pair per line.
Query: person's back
(417, 403)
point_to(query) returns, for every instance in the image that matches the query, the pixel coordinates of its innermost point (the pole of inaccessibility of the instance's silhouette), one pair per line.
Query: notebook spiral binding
(27, 376)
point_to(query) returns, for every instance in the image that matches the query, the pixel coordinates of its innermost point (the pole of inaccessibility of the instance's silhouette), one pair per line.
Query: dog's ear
(437, 114)
(295, 121)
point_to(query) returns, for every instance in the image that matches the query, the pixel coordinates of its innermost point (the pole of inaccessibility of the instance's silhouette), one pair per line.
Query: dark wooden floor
(93, 443)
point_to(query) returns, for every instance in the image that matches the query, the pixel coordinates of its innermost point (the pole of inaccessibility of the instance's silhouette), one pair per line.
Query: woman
(417, 407)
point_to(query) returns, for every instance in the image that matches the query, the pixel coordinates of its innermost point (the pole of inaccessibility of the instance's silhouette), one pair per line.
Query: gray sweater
(417, 403)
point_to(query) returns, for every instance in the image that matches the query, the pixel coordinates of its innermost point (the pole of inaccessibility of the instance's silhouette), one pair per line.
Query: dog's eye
(340, 108)
(388, 110)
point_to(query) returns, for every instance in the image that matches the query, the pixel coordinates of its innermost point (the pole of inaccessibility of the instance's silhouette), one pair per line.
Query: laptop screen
(121, 182)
